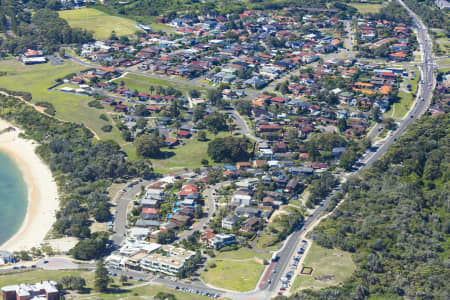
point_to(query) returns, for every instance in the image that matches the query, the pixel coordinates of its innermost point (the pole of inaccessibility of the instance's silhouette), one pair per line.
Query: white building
(170, 260)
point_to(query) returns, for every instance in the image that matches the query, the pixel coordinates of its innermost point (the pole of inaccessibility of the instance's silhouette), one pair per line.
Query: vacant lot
(400, 108)
(365, 8)
(188, 155)
(100, 23)
(143, 83)
(237, 275)
(242, 253)
(37, 78)
(330, 267)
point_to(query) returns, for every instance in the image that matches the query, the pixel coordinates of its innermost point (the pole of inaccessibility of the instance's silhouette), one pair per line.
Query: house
(149, 213)
(221, 240)
(170, 142)
(292, 186)
(259, 163)
(241, 198)
(250, 224)
(184, 134)
(206, 236)
(229, 222)
(243, 165)
(180, 220)
(338, 151)
(247, 212)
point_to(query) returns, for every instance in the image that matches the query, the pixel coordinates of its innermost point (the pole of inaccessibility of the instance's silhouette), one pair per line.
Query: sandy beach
(42, 191)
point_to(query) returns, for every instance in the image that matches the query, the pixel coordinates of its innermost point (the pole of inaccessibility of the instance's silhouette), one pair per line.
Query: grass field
(117, 292)
(189, 155)
(237, 275)
(444, 62)
(100, 23)
(242, 253)
(142, 84)
(365, 8)
(330, 267)
(37, 276)
(37, 78)
(399, 109)
(143, 292)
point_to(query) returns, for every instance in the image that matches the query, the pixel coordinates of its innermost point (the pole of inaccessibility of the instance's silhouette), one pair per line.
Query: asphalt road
(120, 217)
(288, 250)
(208, 195)
(422, 103)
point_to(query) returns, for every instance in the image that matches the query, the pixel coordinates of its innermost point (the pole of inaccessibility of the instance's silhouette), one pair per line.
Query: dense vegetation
(229, 149)
(430, 14)
(43, 29)
(170, 8)
(395, 220)
(83, 168)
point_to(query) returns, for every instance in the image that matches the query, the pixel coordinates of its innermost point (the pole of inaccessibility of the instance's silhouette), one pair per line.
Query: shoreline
(42, 191)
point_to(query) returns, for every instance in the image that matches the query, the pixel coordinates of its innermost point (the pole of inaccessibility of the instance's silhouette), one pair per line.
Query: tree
(376, 114)
(123, 279)
(166, 237)
(149, 146)
(229, 149)
(214, 97)
(342, 124)
(101, 276)
(389, 123)
(194, 94)
(347, 160)
(201, 136)
(73, 282)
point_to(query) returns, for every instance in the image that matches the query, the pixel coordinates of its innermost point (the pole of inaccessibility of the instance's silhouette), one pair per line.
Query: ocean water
(13, 198)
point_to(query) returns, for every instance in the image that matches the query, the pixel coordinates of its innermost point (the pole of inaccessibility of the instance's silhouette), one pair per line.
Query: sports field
(37, 78)
(100, 23)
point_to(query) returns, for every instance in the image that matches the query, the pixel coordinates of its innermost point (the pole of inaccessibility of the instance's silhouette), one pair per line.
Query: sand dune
(42, 191)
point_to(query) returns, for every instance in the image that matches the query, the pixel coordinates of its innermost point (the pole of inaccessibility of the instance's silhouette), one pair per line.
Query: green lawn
(241, 275)
(37, 78)
(444, 62)
(400, 108)
(100, 23)
(37, 276)
(142, 83)
(121, 292)
(189, 155)
(241, 253)
(144, 292)
(330, 267)
(365, 8)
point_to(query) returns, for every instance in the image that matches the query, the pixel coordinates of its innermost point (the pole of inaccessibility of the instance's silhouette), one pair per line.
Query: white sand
(42, 191)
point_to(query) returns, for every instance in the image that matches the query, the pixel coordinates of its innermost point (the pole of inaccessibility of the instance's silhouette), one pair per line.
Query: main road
(420, 106)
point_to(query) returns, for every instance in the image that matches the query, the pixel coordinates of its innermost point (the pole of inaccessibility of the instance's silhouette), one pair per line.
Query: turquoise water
(13, 198)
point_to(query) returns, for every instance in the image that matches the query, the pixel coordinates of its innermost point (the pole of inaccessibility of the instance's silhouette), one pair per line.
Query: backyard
(330, 267)
(73, 108)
